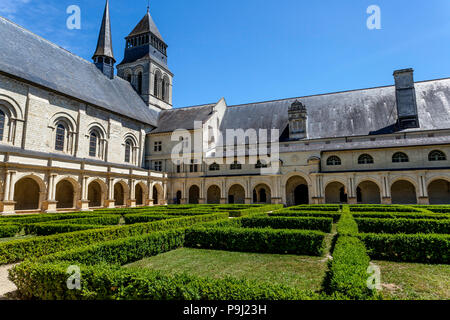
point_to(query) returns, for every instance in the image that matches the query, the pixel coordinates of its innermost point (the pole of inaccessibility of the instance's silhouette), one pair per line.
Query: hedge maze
(102, 242)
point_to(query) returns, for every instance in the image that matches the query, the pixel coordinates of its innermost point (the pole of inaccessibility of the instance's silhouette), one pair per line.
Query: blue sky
(256, 50)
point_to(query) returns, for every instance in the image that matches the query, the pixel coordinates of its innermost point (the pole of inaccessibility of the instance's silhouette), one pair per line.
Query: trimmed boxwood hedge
(306, 223)
(426, 248)
(395, 215)
(46, 229)
(141, 218)
(316, 214)
(330, 208)
(347, 275)
(9, 230)
(299, 242)
(105, 282)
(382, 208)
(403, 226)
(35, 218)
(17, 250)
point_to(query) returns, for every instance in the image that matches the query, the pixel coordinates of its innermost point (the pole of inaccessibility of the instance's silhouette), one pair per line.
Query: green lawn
(303, 272)
(414, 281)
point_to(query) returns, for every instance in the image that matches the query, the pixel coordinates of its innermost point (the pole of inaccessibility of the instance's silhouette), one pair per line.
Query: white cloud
(12, 6)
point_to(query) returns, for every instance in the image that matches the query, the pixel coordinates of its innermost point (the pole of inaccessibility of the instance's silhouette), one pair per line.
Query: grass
(414, 281)
(16, 238)
(302, 272)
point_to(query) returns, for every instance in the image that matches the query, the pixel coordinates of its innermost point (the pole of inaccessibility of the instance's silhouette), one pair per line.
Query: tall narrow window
(139, 83)
(60, 136)
(155, 84)
(163, 94)
(127, 151)
(129, 78)
(2, 124)
(93, 144)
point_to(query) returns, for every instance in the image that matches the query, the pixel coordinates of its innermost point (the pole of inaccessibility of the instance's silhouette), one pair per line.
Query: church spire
(103, 56)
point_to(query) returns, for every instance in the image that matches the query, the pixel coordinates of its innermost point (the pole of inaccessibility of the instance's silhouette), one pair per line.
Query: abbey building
(76, 135)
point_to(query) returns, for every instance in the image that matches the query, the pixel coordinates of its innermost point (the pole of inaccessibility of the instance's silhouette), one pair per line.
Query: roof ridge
(43, 39)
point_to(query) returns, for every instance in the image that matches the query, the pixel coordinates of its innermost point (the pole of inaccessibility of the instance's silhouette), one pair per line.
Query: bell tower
(103, 56)
(145, 64)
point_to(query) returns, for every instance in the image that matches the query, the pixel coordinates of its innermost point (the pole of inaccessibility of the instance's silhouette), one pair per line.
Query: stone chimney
(405, 93)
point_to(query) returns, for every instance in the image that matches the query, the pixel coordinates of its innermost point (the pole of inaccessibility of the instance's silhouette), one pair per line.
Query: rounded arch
(158, 191)
(406, 178)
(262, 193)
(437, 155)
(213, 194)
(403, 192)
(334, 161)
(65, 118)
(96, 193)
(27, 192)
(12, 106)
(194, 194)
(297, 190)
(140, 191)
(121, 192)
(236, 194)
(439, 191)
(178, 197)
(365, 159)
(336, 192)
(65, 195)
(97, 127)
(368, 192)
(400, 157)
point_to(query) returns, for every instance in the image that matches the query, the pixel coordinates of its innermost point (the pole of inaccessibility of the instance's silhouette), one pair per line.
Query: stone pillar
(248, 200)
(83, 203)
(150, 194)
(7, 206)
(110, 202)
(223, 200)
(50, 205)
(132, 201)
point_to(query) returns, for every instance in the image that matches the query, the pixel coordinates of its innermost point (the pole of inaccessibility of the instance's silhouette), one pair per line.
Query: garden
(231, 252)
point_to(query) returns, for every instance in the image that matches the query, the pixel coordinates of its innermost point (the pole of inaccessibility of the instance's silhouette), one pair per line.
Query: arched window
(139, 83)
(400, 157)
(93, 140)
(334, 161)
(365, 159)
(129, 78)
(128, 150)
(60, 137)
(156, 84)
(2, 124)
(214, 167)
(163, 93)
(437, 155)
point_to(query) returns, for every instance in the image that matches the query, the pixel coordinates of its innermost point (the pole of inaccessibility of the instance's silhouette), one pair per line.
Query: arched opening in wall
(95, 195)
(236, 194)
(439, 192)
(139, 195)
(26, 194)
(213, 195)
(65, 195)
(194, 195)
(297, 192)
(262, 193)
(178, 197)
(368, 192)
(119, 195)
(403, 192)
(335, 192)
(155, 195)
(139, 82)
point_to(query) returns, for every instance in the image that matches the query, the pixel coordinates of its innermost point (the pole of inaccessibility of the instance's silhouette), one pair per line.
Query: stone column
(83, 203)
(386, 190)
(50, 205)
(150, 193)
(110, 202)
(132, 200)
(352, 198)
(423, 197)
(7, 206)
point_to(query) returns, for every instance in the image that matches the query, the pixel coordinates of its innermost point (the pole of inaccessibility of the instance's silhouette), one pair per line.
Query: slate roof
(104, 43)
(345, 114)
(182, 118)
(146, 25)
(32, 58)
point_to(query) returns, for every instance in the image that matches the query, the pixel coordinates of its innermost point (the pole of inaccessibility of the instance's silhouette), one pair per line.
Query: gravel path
(6, 286)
